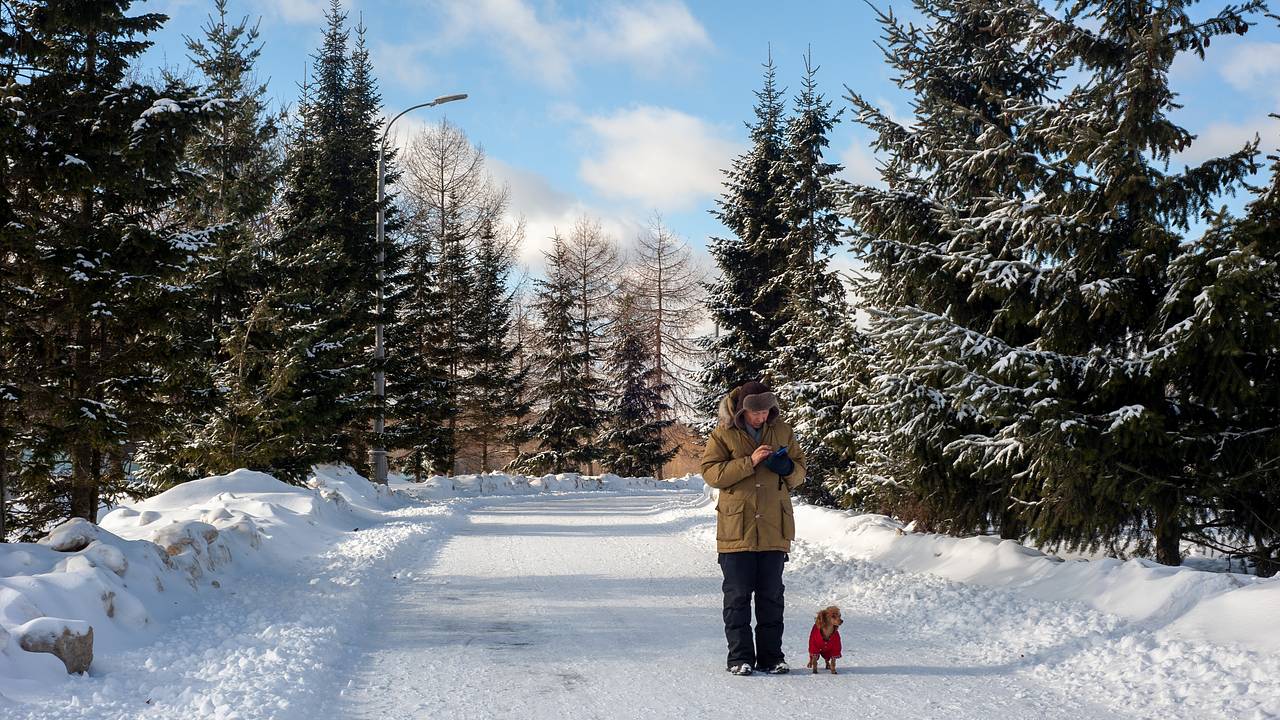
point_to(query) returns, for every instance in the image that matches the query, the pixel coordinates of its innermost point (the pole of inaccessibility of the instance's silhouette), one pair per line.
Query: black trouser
(760, 573)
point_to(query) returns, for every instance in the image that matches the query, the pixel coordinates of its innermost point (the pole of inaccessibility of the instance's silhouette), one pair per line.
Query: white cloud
(513, 26)
(295, 11)
(653, 35)
(860, 165)
(546, 209)
(401, 64)
(548, 45)
(1219, 139)
(660, 157)
(1252, 66)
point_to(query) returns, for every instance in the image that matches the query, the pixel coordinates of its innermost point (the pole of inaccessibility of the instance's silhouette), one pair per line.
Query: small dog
(824, 639)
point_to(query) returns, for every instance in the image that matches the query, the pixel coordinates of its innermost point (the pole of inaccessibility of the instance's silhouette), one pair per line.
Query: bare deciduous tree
(669, 288)
(451, 203)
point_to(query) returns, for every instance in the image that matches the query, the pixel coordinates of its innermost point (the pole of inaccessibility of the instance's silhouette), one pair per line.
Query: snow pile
(149, 562)
(77, 577)
(440, 486)
(1180, 602)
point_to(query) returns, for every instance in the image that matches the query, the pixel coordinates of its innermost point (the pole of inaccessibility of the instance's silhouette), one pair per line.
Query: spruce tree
(1220, 349)
(814, 308)
(235, 159)
(494, 400)
(743, 304)
(939, 267)
(362, 133)
(450, 201)
(591, 260)
(91, 181)
(633, 442)
(418, 388)
(523, 337)
(15, 346)
(318, 326)
(566, 398)
(454, 279)
(1026, 247)
(1111, 442)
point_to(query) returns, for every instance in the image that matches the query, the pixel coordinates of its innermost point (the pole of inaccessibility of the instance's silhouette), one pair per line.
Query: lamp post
(379, 352)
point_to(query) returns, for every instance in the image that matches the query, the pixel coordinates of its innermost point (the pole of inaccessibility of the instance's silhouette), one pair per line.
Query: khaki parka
(753, 512)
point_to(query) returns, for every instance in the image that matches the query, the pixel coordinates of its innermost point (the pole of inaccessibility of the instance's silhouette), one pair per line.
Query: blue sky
(619, 109)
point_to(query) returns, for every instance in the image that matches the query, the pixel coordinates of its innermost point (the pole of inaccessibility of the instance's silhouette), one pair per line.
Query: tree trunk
(1266, 564)
(83, 480)
(4, 490)
(115, 474)
(1168, 535)
(1011, 526)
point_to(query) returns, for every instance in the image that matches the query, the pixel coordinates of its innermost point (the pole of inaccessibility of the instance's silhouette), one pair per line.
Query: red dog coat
(828, 648)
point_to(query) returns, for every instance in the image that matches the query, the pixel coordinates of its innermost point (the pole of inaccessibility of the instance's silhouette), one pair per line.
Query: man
(751, 457)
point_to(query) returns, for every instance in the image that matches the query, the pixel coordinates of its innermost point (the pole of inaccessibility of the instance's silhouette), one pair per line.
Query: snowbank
(151, 561)
(440, 486)
(111, 587)
(1181, 602)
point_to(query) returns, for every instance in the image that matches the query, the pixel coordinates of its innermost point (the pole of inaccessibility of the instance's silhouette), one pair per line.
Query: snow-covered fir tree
(318, 329)
(211, 426)
(943, 258)
(1108, 443)
(1025, 248)
(522, 336)
(742, 303)
(1219, 350)
(814, 310)
(91, 180)
(417, 381)
(453, 280)
(16, 345)
(450, 201)
(633, 440)
(364, 121)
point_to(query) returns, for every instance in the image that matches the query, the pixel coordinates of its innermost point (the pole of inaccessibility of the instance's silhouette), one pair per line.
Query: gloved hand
(780, 462)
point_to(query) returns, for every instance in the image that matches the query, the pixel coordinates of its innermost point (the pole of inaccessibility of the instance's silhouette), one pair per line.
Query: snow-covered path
(602, 605)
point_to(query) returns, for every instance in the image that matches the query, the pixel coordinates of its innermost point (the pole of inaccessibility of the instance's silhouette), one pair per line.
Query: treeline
(1071, 341)
(188, 282)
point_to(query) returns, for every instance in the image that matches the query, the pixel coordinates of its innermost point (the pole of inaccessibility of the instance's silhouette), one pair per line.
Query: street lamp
(379, 352)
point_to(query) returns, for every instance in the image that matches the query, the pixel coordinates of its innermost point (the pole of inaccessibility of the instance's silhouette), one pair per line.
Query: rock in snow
(73, 535)
(71, 641)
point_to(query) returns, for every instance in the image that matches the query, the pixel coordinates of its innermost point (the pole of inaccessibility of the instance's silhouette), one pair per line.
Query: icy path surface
(607, 605)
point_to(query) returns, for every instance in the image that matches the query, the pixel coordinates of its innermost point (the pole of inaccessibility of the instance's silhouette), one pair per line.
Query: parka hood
(730, 412)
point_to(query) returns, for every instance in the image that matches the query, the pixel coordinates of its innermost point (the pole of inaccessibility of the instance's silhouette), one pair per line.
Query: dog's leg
(831, 665)
(813, 664)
